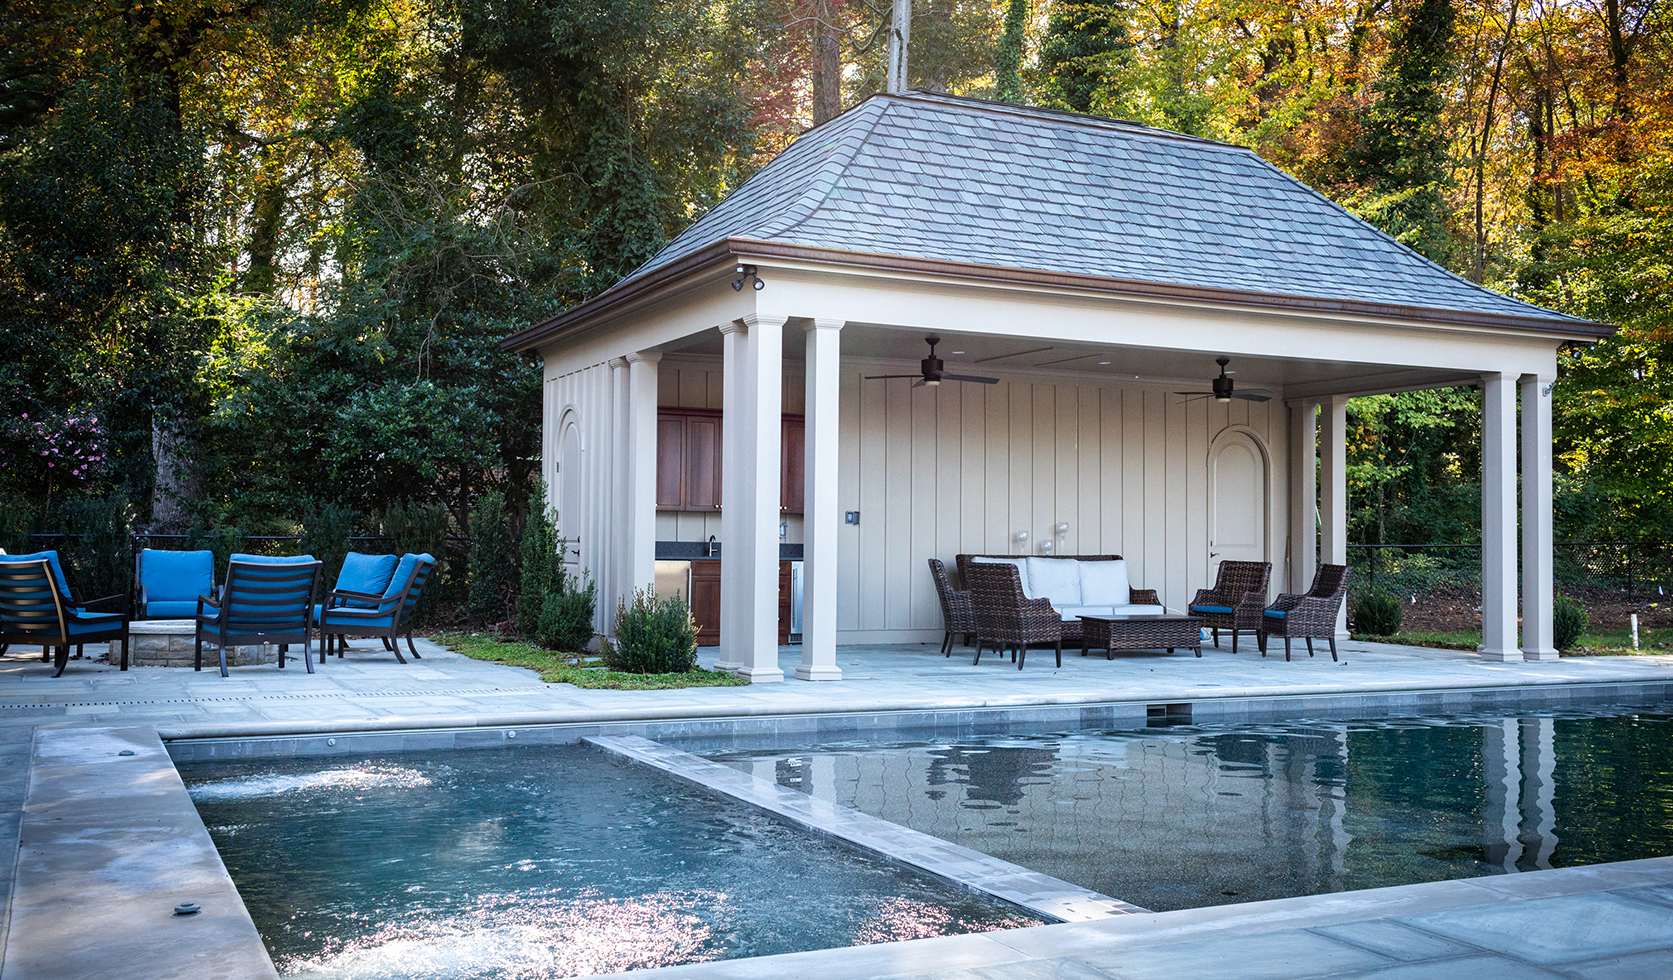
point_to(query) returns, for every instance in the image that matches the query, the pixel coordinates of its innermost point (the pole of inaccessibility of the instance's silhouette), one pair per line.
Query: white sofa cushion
(1104, 582)
(1071, 613)
(1142, 609)
(1022, 571)
(1058, 579)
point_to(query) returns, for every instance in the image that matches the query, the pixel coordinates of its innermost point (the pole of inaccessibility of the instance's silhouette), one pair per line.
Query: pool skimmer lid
(187, 908)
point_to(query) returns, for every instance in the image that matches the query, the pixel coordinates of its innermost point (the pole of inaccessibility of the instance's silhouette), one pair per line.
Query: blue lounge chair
(171, 581)
(265, 600)
(36, 609)
(388, 616)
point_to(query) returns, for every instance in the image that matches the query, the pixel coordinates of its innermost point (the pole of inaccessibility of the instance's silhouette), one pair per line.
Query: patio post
(735, 406)
(819, 505)
(1333, 471)
(639, 569)
(1538, 581)
(615, 562)
(1304, 494)
(1498, 519)
(751, 557)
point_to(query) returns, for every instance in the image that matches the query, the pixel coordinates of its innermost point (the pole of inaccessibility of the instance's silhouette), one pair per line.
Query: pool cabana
(1095, 268)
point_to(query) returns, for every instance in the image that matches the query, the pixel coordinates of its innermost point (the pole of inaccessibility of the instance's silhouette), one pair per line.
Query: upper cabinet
(688, 460)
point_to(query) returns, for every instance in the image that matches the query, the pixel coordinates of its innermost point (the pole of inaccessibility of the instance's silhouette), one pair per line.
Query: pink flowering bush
(71, 449)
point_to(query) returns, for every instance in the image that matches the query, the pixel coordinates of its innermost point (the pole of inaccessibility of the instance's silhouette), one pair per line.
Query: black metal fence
(1635, 568)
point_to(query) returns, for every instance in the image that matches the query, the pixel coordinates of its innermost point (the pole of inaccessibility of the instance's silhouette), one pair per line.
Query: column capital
(617, 363)
(646, 356)
(734, 326)
(753, 320)
(818, 323)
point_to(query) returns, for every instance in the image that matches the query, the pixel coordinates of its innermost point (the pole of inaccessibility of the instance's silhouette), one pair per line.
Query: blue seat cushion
(171, 609)
(403, 571)
(84, 622)
(271, 559)
(1275, 613)
(48, 556)
(371, 574)
(175, 576)
(350, 618)
(1212, 609)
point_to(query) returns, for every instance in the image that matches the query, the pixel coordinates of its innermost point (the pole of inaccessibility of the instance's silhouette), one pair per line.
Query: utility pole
(900, 35)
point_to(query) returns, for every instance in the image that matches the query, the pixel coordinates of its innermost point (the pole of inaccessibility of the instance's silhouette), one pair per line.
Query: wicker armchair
(1307, 616)
(1237, 599)
(1007, 618)
(957, 613)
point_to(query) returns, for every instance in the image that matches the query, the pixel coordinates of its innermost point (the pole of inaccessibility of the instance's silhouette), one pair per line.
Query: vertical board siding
(587, 394)
(962, 468)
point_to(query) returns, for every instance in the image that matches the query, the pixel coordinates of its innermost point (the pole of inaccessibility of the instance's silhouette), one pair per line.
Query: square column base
(730, 666)
(1499, 656)
(810, 672)
(1541, 655)
(761, 675)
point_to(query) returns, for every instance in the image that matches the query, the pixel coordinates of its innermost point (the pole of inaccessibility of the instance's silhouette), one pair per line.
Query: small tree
(566, 617)
(541, 566)
(1569, 622)
(493, 561)
(1377, 612)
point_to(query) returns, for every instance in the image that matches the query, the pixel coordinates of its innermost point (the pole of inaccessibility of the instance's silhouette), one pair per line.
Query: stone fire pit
(169, 642)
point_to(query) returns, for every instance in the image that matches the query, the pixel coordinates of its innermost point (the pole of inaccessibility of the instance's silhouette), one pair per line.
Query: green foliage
(653, 636)
(493, 561)
(557, 669)
(1377, 612)
(1007, 61)
(1414, 464)
(540, 568)
(566, 618)
(99, 548)
(17, 523)
(224, 540)
(420, 529)
(1086, 57)
(1569, 620)
(326, 529)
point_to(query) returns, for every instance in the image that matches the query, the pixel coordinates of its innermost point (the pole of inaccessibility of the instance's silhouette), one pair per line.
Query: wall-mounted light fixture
(745, 274)
(1022, 541)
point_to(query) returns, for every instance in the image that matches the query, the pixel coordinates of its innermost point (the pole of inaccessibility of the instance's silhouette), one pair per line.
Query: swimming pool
(1193, 816)
(540, 861)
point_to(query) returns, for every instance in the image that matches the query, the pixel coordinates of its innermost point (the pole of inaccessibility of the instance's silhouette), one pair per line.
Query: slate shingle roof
(929, 176)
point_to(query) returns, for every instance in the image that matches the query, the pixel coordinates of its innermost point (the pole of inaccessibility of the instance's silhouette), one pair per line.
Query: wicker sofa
(1074, 590)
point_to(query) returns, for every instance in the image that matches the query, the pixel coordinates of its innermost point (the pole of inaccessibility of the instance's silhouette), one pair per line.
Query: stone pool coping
(966, 868)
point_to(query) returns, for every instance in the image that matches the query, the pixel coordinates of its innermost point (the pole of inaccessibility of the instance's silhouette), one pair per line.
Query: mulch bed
(1449, 609)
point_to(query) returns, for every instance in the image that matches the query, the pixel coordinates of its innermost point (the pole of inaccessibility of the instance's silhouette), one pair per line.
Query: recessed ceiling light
(1103, 362)
(958, 352)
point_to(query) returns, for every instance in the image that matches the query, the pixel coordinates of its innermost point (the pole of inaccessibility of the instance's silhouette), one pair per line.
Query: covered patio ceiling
(1298, 377)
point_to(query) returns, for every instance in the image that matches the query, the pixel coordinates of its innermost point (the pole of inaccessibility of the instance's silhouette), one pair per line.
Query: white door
(1237, 501)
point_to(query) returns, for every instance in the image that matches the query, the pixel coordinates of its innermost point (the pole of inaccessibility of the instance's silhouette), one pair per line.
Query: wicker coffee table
(1145, 632)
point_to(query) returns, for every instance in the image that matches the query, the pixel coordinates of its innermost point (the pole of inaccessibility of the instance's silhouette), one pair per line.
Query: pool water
(539, 862)
(1210, 815)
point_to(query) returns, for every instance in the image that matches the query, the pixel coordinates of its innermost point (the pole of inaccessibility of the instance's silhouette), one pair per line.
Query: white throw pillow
(1022, 571)
(1104, 583)
(1058, 579)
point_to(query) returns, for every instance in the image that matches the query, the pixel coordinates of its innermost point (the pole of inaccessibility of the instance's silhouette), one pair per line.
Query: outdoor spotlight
(745, 274)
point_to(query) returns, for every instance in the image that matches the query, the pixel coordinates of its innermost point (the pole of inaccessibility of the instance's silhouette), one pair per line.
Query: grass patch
(577, 669)
(1593, 643)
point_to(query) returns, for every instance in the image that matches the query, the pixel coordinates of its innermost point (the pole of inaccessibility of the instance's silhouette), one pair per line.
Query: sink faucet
(712, 546)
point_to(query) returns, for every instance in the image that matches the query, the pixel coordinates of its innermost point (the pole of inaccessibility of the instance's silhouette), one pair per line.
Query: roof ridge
(1047, 114)
(852, 151)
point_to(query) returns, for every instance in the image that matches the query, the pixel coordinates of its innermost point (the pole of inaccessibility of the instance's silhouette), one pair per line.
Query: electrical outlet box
(851, 517)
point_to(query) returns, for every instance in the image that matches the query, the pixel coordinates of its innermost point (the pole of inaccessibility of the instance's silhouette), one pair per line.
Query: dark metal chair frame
(1310, 616)
(958, 615)
(36, 613)
(1008, 619)
(1241, 586)
(404, 602)
(1072, 628)
(261, 587)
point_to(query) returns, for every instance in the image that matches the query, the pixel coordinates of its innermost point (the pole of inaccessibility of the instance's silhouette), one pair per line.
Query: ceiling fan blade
(920, 384)
(1253, 395)
(1205, 393)
(885, 377)
(969, 377)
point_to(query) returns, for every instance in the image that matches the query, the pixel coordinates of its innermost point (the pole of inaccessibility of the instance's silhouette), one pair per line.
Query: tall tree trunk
(1007, 62)
(1480, 259)
(827, 62)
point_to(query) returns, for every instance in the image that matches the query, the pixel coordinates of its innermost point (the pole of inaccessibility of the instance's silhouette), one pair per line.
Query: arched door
(1237, 492)
(569, 479)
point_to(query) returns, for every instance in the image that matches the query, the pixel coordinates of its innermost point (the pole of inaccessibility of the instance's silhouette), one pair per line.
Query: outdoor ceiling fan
(1224, 390)
(931, 373)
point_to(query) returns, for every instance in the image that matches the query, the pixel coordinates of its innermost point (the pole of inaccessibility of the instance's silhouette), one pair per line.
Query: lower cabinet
(705, 601)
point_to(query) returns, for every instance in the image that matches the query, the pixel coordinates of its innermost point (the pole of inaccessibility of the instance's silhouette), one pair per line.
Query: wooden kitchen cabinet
(688, 443)
(705, 601)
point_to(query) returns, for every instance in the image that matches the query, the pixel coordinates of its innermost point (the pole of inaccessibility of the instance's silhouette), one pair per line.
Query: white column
(1304, 495)
(735, 407)
(1538, 581)
(764, 425)
(819, 505)
(1334, 473)
(1498, 519)
(615, 550)
(640, 522)
(1501, 818)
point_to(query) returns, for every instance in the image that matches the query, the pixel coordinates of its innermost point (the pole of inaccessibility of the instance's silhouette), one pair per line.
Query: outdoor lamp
(746, 273)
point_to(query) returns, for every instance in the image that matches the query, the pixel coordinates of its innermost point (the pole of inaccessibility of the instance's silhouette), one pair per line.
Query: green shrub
(653, 636)
(540, 569)
(17, 523)
(419, 529)
(493, 561)
(1376, 612)
(326, 529)
(1568, 621)
(566, 618)
(100, 548)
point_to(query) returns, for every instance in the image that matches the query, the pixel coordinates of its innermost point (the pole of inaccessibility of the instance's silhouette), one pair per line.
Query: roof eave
(627, 292)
